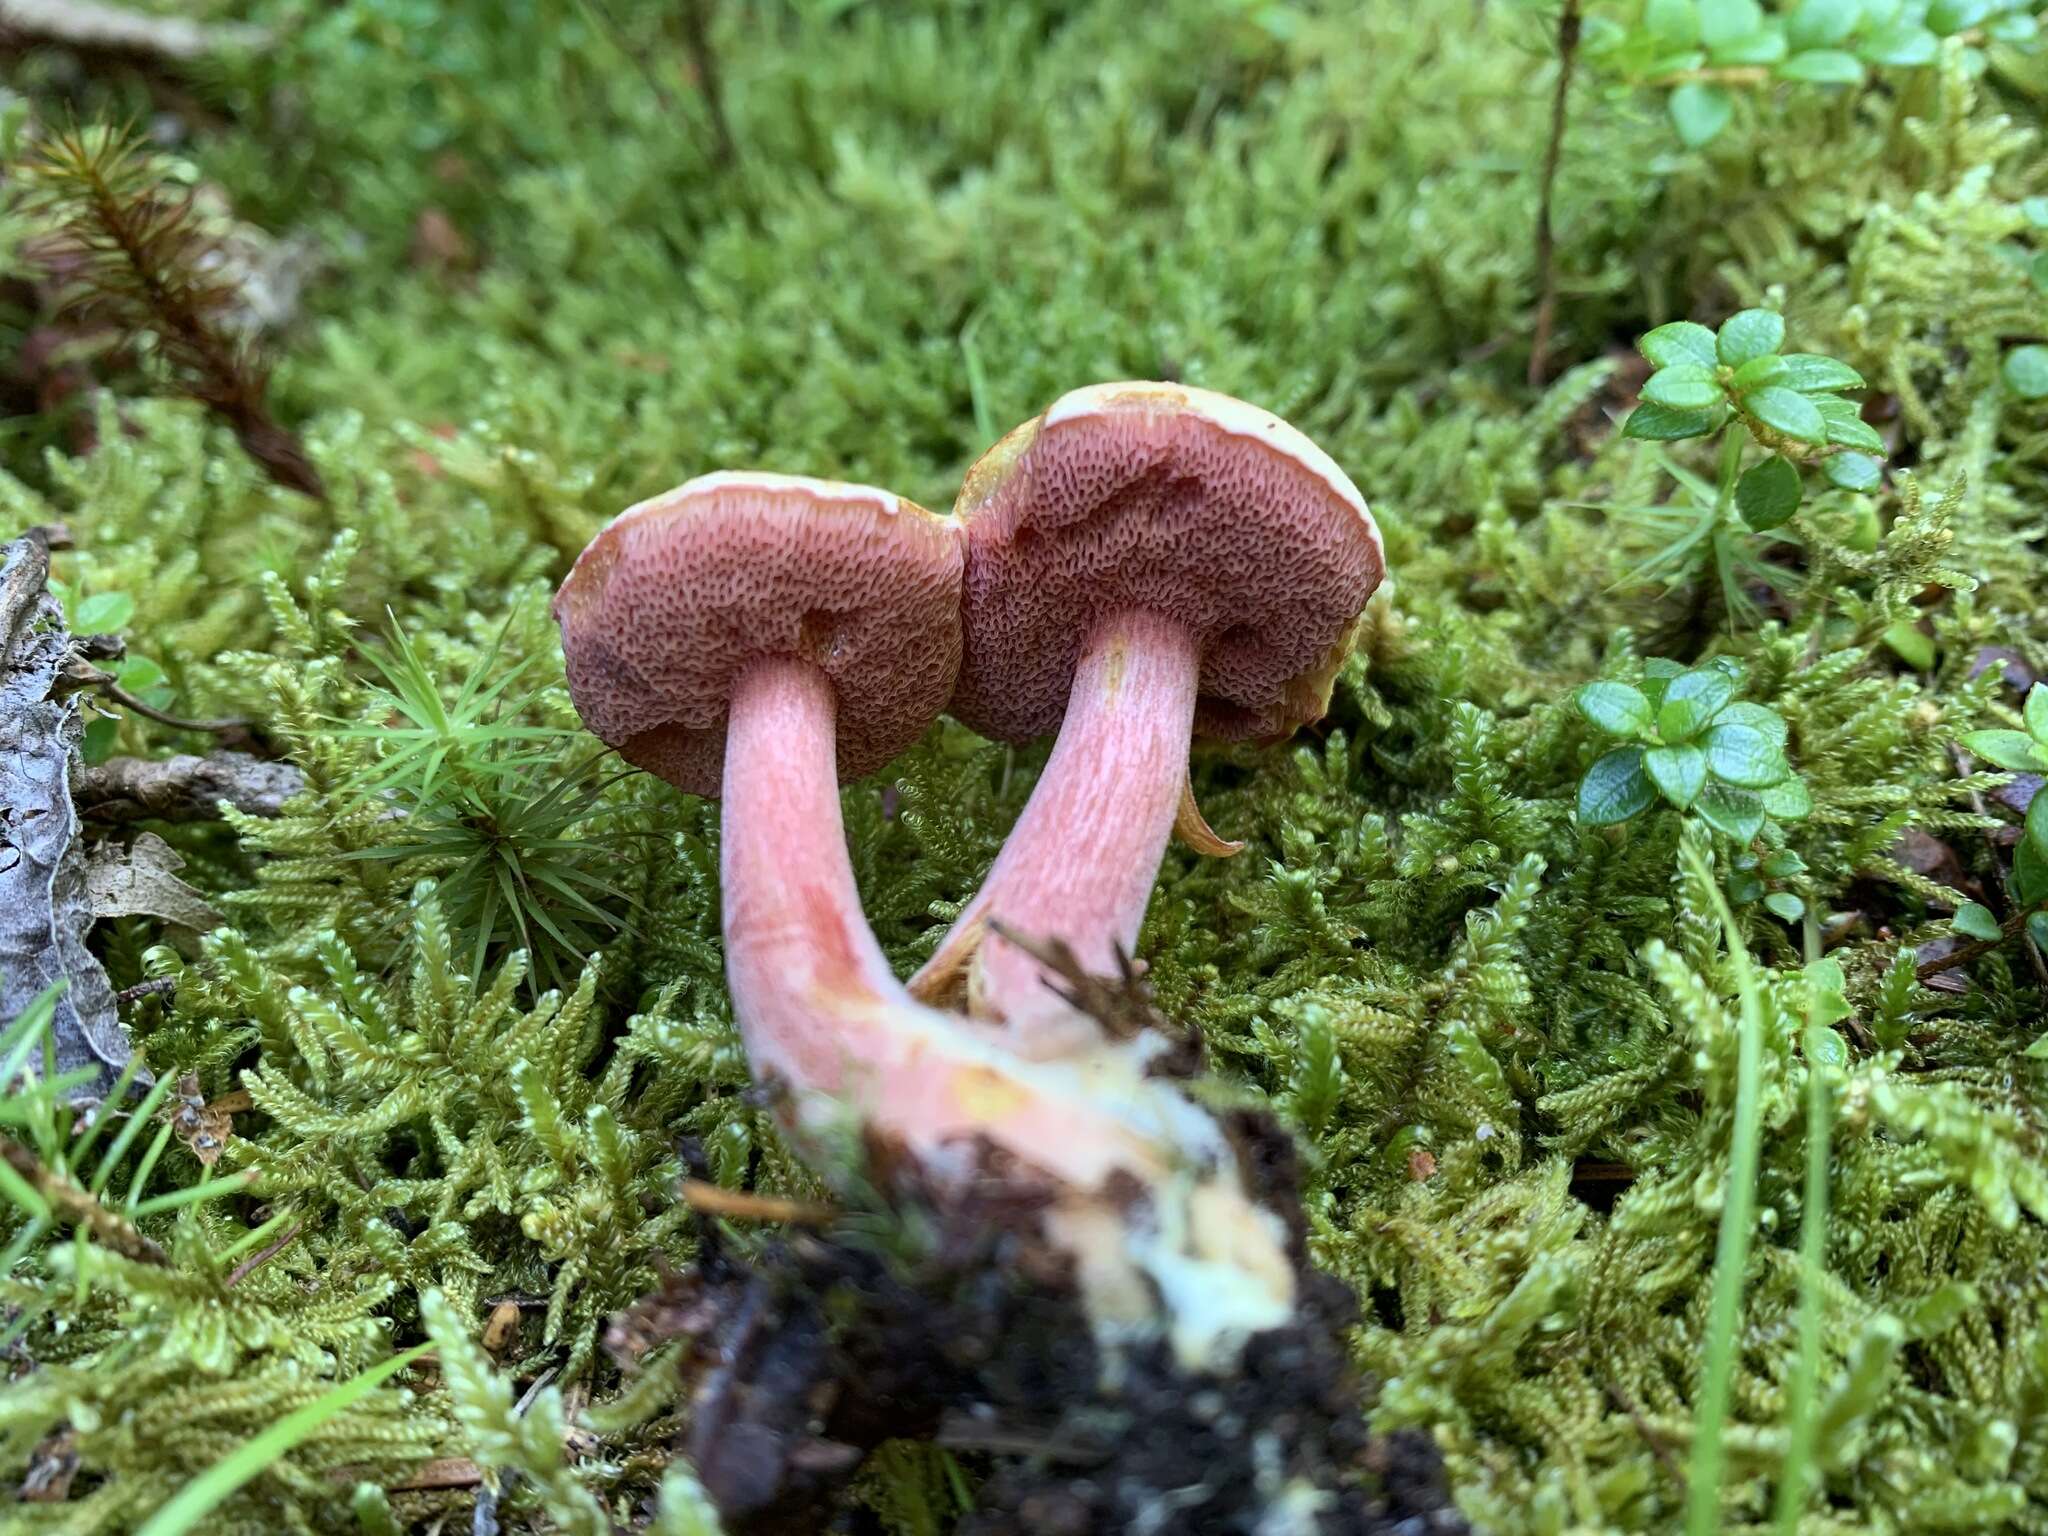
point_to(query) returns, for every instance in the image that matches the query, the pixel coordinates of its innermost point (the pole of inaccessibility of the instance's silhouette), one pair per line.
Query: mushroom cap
(1180, 501)
(674, 596)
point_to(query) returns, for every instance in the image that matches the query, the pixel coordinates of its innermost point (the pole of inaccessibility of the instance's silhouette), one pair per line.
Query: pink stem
(794, 929)
(1081, 862)
(823, 1016)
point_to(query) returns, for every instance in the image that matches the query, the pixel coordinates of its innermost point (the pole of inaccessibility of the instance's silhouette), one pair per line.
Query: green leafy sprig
(1690, 741)
(1706, 53)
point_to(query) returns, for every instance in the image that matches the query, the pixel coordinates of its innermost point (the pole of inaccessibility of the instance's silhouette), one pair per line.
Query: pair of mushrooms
(1140, 564)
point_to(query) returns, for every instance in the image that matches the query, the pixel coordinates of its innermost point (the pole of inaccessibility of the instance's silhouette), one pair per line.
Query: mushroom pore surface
(676, 594)
(1170, 500)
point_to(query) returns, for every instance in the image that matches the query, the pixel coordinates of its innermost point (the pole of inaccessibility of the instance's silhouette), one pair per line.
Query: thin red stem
(1081, 862)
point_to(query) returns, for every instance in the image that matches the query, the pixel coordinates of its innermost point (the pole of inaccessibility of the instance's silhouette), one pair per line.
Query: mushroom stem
(1140, 1186)
(1080, 863)
(793, 921)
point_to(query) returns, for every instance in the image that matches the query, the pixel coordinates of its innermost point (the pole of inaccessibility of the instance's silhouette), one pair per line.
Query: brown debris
(501, 1329)
(824, 1348)
(205, 1126)
(745, 1205)
(185, 788)
(1121, 1004)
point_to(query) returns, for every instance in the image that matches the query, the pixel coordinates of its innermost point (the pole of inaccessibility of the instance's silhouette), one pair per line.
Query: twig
(264, 1255)
(715, 1200)
(2014, 922)
(80, 1207)
(127, 700)
(185, 788)
(165, 987)
(1568, 29)
(1732, 74)
(697, 38)
(87, 25)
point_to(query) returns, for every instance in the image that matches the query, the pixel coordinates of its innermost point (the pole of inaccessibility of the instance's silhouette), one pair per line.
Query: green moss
(1508, 1040)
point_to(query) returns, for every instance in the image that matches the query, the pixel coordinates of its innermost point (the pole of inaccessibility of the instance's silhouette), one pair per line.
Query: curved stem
(825, 1018)
(1080, 864)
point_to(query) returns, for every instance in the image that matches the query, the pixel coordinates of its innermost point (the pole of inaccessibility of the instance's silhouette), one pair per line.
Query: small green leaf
(1784, 865)
(2014, 751)
(2035, 210)
(1680, 773)
(1948, 17)
(1912, 644)
(1699, 112)
(103, 613)
(1744, 888)
(2029, 872)
(1763, 47)
(2037, 930)
(1616, 708)
(1683, 387)
(1759, 371)
(1823, 66)
(2018, 29)
(1744, 756)
(1808, 371)
(1853, 471)
(1826, 992)
(1784, 904)
(1767, 721)
(138, 674)
(1768, 494)
(1975, 921)
(1726, 21)
(2037, 712)
(1788, 801)
(1737, 814)
(1615, 788)
(1822, 23)
(2037, 823)
(1784, 410)
(1681, 341)
(97, 744)
(1660, 424)
(1672, 24)
(1846, 425)
(2026, 371)
(1693, 699)
(1749, 334)
(1657, 674)
(1903, 45)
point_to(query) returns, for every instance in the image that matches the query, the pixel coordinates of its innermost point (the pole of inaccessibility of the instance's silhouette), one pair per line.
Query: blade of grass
(147, 1167)
(198, 1498)
(1803, 1396)
(1738, 1215)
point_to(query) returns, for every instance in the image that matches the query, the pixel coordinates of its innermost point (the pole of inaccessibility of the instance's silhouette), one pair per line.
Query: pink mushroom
(763, 636)
(1145, 563)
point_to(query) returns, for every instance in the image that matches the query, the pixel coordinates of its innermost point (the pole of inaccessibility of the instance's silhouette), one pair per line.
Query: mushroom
(762, 636)
(1145, 563)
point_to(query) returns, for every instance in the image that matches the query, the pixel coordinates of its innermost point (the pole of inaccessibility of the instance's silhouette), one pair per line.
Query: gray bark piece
(45, 912)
